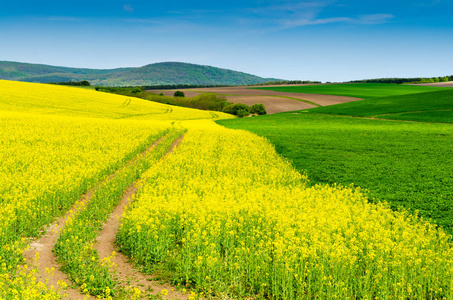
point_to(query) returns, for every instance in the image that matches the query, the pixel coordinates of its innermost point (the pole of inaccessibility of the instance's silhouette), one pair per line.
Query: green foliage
(430, 107)
(258, 109)
(360, 90)
(277, 82)
(209, 101)
(405, 163)
(236, 107)
(205, 101)
(242, 113)
(401, 80)
(73, 83)
(179, 94)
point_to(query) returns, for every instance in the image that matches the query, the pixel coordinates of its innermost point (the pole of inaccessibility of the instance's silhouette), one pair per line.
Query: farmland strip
(42, 248)
(75, 247)
(105, 247)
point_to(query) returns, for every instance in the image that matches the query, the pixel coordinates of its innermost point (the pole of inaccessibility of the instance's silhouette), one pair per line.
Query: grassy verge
(407, 164)
(74, 248)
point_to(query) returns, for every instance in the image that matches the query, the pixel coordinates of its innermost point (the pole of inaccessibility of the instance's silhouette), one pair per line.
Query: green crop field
(429, 107)
(406, 164)
(359, 90)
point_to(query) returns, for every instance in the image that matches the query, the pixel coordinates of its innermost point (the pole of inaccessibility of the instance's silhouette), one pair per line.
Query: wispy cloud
(62, 19)
(374, 19)
(365, 19)
(298, 14)
(128, 8)
(144, 21)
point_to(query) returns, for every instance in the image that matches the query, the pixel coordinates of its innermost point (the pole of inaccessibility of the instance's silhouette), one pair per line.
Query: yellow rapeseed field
(227, 215)
(56, 143)
(224, 213)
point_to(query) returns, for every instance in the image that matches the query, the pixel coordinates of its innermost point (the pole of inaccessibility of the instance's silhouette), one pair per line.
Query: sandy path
(231, 92)
(439, 84)
(47, 259)
(127, 272)
(45, 244)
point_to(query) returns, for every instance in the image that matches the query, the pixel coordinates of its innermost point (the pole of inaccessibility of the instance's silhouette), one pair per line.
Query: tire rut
(126, 271)
(40, 252)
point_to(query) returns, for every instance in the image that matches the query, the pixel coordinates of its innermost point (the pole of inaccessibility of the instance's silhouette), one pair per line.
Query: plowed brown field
(272, 100)
(440, 84)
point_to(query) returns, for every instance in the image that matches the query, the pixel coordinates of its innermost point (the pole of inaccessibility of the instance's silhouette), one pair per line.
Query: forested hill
(154, 74)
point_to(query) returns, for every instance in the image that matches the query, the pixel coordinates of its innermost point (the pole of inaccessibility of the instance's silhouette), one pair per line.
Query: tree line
(279, 82)
(414, 80)
(72, 83)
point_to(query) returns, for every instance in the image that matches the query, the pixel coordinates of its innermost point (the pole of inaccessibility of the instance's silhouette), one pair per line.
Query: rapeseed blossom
(227, 215)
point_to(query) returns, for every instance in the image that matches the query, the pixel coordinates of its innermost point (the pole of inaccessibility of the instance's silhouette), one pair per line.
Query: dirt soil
(127, 272)
(45, 244)
(262, 96)
(47, 259)
(439, 84)
(273, 104)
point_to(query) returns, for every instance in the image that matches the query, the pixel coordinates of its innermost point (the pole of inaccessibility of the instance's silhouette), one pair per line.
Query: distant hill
(165, 73)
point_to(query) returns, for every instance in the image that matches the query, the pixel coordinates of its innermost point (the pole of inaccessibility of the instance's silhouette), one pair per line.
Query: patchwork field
(274, 101)
(216, 212)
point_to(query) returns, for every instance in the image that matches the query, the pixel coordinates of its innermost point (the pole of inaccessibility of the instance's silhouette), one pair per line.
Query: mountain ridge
(163, 73)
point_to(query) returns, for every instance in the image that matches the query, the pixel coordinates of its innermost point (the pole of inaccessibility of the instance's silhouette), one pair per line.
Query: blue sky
(327, 40)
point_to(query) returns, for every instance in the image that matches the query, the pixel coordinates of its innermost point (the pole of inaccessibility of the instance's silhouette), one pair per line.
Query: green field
(407, 164)
(359, 90)
(428, 107)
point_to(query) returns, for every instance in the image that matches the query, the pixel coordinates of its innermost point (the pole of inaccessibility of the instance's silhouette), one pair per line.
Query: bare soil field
(439, 84)
(273, 104)
(272, 100)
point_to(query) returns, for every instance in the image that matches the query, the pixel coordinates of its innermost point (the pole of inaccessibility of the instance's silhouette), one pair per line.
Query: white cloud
(365, 19)
(128, 8)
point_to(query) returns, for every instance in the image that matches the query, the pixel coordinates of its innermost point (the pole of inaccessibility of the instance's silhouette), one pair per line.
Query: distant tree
(242, 113)
(235, 108)
(178, 94)
(258, 109)
(136, 90)
(445, 79)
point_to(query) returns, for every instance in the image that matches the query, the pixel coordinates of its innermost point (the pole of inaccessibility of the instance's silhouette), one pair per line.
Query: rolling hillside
(153, 74)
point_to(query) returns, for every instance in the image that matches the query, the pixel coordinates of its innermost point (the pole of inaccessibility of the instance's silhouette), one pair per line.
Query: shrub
(209, 101)
(234, 108)
(242, 113)
(179, 94)
(136, 90)
(258, 109)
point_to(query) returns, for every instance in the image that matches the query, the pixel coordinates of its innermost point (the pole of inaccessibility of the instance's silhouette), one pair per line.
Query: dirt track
(47, 260)
(128, 274)
(272, 104)
(43, 247)
(439, 84)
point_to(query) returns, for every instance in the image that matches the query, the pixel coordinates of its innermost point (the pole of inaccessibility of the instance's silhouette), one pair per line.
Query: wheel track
(126, 271)
(40, 251)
